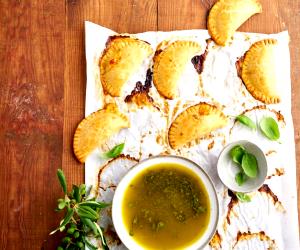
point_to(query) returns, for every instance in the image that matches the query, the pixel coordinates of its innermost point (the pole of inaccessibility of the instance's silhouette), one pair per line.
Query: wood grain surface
(42, 87)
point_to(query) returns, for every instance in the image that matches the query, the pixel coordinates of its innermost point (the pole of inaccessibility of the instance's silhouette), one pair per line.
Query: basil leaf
(237, 154)
(65, 221)
(246, 121)
(240, 178)
(249, 165)
(62, 180)
(114, 152)
(269, 128)
(243, 197)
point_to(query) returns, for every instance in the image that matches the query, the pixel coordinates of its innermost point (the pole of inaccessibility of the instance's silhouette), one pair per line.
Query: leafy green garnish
(246, 121)
(240, 178)
(249, 165)
(62, 180)
(237, 153)
(81, 215)
(114, 152)
(269, 128)
(243, 197)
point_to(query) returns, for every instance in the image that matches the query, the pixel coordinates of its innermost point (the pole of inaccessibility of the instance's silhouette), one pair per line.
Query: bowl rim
(222, 155)
(201, 174)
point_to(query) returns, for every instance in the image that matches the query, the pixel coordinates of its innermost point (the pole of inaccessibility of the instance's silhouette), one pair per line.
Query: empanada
(194, 123)
(170, 63)
(226, 16)
(259, 71)
(121, 59)
(95, 129)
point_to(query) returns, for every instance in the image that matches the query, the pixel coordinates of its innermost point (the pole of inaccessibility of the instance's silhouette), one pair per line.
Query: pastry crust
(122, 58)
(170, 63)
(194, 123)
(226, 16)
(95, 129)
(259, 71)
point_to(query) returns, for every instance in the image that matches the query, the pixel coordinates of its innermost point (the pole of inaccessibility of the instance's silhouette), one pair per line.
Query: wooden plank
(31, 110)
(131, 16)
(276, 16)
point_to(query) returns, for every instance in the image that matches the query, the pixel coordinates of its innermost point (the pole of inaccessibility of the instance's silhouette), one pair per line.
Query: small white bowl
(122, 231)
(227, 169)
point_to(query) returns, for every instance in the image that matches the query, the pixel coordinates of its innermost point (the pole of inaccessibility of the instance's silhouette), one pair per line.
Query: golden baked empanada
(226, 16)
(194, 123)
(259, 71)
(121, 59)
(96, 128)
(170, 63)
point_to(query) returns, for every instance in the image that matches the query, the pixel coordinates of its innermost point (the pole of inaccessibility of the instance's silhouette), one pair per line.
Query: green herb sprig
(246, 121)
(81, 215)
(267, 125)
(114, 152)
(269, 128)
(243, 197)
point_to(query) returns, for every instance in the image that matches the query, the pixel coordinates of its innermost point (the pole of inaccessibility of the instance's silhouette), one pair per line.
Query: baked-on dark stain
(238, 65)
(266, 189)
(216, 241)
(140, 88)
(198, 62)
(231, 204)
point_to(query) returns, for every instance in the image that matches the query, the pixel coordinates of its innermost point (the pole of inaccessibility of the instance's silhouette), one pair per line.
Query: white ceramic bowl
(227, 169)
(121, 230)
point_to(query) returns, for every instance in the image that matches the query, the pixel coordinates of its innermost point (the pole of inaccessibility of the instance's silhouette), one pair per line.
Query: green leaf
(66, 220)
(94, 204)
(76, 193)
(82, 189)
(89, 224)
(62, 180)
(114, 152)
(240, 178)
(269, 128)
(246, 121)
(243, 197)
(89, 244)
(249, 165)
(87, 212)
(237, 153)
(103, 241)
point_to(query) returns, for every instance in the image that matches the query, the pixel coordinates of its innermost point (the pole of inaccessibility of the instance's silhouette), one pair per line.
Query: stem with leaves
(81, 216)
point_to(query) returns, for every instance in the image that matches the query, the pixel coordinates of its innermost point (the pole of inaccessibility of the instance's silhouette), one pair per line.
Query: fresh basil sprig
(114, 152)
(247, 163)
(269, 128)
(81, 215)
(246, 121)
(243, 197)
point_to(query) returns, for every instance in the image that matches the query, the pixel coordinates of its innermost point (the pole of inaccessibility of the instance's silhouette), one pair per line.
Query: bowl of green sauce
(165, 202)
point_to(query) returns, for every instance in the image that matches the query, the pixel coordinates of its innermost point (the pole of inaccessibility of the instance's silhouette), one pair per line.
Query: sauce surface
(166, 207)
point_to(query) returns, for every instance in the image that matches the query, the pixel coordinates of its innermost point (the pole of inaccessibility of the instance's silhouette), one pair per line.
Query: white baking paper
(277, 219)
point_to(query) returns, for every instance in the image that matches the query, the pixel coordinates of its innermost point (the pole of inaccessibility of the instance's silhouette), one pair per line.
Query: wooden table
(42, 74)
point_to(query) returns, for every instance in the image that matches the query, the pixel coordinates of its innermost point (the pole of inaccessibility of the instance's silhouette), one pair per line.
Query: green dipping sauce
(166, 206)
